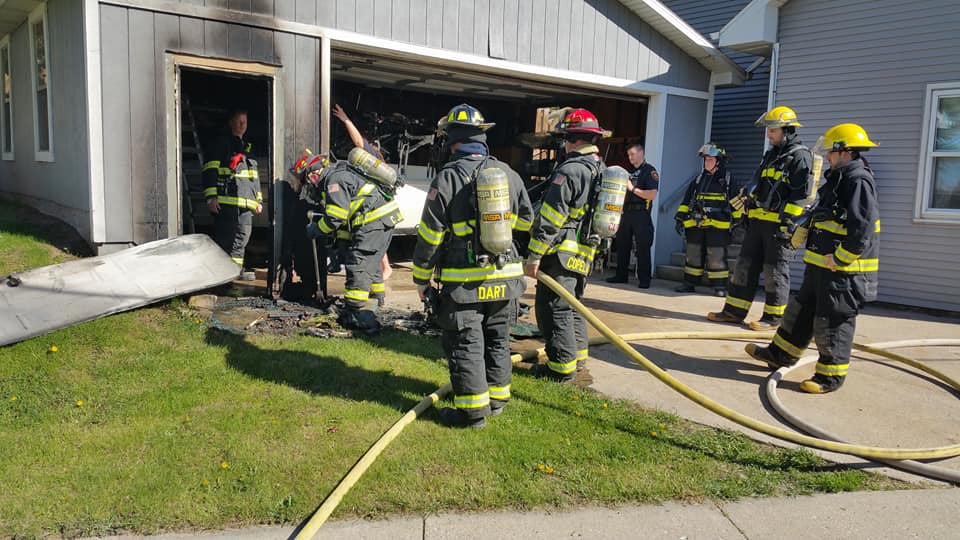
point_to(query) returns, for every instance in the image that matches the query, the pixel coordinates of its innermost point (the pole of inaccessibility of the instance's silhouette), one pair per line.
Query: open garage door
(396, 102)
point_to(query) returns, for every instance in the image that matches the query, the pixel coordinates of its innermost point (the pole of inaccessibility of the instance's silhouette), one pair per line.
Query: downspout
(708, 125)
(92, 74)
(772, 90)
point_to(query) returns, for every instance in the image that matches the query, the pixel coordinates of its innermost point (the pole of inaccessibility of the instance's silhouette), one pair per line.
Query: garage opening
(395, 103)
(207, 98)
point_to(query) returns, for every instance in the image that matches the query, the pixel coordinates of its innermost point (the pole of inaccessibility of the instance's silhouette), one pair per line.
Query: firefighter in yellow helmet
(775, 198)
(842, 260)
(465, 242)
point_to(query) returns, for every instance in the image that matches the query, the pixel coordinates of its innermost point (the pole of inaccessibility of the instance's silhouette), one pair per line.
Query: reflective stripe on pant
(824, 310)
(563, 329)
(476, 340)
(363, 265)
(636, 230)
(706, 256)
(232, 226)
(761, 251)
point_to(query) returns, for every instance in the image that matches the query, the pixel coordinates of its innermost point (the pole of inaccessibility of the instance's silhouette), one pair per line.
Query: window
(6, 101)
(40, 60)
(939, 197)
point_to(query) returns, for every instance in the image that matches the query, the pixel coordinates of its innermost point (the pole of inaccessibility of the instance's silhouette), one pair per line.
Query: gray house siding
(602, 37)
(686, 120)
(734, 108)
(61, 187)
(134, 43)
(875, 74)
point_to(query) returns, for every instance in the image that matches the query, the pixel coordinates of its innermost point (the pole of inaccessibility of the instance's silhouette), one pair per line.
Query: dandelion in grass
(53, 349)
(654, 434)
(13, 398)
(79, 403)
(224, 465)
(604, 405)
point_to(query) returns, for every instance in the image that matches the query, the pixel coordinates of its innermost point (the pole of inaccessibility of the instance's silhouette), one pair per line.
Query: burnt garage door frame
(335, 42)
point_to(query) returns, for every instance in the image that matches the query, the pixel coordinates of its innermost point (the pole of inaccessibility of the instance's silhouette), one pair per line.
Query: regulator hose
(822, 441)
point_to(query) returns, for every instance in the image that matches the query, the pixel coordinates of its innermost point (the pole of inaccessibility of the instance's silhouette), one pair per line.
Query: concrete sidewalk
(929, 514)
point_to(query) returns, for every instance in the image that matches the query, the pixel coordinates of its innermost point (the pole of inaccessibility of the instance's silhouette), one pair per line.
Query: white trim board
(94, 83)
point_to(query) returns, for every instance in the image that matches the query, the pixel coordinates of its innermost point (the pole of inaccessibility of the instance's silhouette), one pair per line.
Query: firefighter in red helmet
(556, 244)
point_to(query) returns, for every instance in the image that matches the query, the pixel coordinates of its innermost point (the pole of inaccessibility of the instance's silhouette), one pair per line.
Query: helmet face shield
(711, 150)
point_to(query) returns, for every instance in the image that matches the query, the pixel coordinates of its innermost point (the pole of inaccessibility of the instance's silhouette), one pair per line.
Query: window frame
(4, 155)
(923, 212)
(40, 13)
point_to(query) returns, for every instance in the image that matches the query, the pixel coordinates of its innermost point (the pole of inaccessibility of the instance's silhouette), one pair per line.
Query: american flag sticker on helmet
(432, 195)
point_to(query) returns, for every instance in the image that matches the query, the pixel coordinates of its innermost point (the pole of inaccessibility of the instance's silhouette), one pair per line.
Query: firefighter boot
(451, 417)
(764, 354)
(819, 384)
(543, 371)
(720, 291)
(686, 288)
(723, 316)
(767, 322)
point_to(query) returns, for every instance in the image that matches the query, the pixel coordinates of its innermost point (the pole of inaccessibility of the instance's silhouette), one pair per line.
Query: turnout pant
(761, 251)
(636, 230)
(476, 340)
(232, 226)
(706, 256)
(824, 310)
(364, 274)
(563, 329)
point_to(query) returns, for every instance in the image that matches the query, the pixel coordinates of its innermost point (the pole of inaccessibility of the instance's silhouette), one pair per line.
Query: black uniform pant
(364, 274)
(563, 328)
(707, 256)
(824, 310)
(636, 230)
(476, 340)
(761, 251)
(231, 230)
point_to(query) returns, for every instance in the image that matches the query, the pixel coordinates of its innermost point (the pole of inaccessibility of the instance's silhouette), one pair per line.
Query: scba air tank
(493, 207)
(609, 204)
(372, 167)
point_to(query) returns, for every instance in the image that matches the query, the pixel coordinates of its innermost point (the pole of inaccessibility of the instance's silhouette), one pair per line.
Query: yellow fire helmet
(778, 117)
(847, 137)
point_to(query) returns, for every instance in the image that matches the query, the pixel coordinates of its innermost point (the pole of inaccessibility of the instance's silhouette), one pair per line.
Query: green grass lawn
(149, 421)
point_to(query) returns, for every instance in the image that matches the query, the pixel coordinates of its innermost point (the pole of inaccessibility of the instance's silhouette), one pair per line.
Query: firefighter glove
(313, 231)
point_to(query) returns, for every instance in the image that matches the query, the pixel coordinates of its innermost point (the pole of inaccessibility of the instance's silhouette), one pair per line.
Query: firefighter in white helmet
(465, 243)
(842, 261)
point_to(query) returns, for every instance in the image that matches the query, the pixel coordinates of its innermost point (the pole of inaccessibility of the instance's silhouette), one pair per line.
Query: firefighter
(704, 218)
(636, 226)
(465, 240)
(779, 192)
(232, 188)
(842, 261)
(360, 211)
(557, 245)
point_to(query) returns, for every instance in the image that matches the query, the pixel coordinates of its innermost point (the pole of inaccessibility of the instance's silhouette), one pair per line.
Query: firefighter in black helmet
(842, 261)
(361, 213)
(704, 218)
(778, 196)
(557, 245)
(465, 242)
(231, 186)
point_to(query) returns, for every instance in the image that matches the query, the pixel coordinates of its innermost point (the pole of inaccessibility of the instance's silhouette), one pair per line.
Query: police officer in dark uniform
(636, 225)
(842, 261)
(480, 288)
(704, 218)
(557, 248)
(362, 213)
(231, 186)
(781, 188)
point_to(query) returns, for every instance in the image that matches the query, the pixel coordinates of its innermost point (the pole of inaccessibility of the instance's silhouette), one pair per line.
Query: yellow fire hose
(329, 504)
